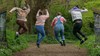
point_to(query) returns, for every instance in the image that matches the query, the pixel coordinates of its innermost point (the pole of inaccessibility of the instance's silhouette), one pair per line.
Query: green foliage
(88, 22)
(50, 40)
(14, 45)
(89, 44)
(5, 52)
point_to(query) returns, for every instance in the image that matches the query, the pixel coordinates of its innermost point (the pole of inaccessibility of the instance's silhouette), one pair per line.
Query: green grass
(89, 44)
(15, 45)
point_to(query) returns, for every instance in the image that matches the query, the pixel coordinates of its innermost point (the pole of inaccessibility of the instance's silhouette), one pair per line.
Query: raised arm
(13, 9)
(47, 13)
(38, 13)
(28, 7)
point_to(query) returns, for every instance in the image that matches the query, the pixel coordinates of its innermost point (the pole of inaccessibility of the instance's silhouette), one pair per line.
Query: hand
(10, 11)
(39, 10)
(83, 8)
(46, 9)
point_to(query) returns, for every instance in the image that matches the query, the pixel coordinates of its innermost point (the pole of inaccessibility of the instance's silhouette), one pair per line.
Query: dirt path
(52, 50)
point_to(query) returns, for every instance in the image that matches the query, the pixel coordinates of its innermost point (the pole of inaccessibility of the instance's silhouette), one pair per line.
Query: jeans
(59, 29)
(41, 33)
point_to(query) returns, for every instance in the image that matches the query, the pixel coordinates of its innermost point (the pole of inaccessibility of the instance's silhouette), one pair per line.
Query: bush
(5, 52)
(89, 44)
(13, 45)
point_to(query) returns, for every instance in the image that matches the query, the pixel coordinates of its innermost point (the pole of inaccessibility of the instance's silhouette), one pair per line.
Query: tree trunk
(35, 6)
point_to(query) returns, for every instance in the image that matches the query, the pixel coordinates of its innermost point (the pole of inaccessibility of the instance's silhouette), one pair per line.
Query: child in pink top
(41, 18)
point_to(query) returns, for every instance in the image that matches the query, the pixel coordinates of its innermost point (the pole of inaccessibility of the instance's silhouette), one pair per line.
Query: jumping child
(58, 26)
(41, 18)
(21, 19)
(76, 13)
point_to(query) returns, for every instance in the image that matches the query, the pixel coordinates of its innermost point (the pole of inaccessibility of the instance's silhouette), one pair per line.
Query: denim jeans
(41, 33)
(59, 29)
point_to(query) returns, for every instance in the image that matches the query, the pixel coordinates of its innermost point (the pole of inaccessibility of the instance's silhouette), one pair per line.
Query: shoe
(61, 43)
(64, 43)
(81, 42)
(85, 39)
(38, 45)
(17, 35)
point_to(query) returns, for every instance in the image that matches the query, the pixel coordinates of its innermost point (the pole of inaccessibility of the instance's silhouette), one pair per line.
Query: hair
(77, 6)
(59, 13)
(24, 7)
(40, 13)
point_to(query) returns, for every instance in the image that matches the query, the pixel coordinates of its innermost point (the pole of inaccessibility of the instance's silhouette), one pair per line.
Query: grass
(14, 45)
(89, 44)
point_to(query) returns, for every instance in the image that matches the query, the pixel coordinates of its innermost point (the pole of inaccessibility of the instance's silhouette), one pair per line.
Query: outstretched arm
(13, 9)
(84, 10)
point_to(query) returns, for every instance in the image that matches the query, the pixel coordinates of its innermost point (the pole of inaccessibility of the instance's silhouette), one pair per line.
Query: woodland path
(52, 50)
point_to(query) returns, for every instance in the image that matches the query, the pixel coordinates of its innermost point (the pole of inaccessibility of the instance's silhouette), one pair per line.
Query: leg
(18, 31)
(38, 36)
(20, 27)
(75, 29)
(62, 36)
(56, 35)
(79, 31)
(40, 30)
(43, 35)
(24, 28)
(57, 29)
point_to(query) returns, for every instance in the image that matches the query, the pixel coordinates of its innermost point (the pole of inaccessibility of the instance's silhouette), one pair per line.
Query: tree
(35, 6)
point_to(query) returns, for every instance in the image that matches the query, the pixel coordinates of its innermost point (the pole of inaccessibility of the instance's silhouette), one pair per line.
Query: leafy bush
(14, 45)
(89, 44)
(5, 52)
